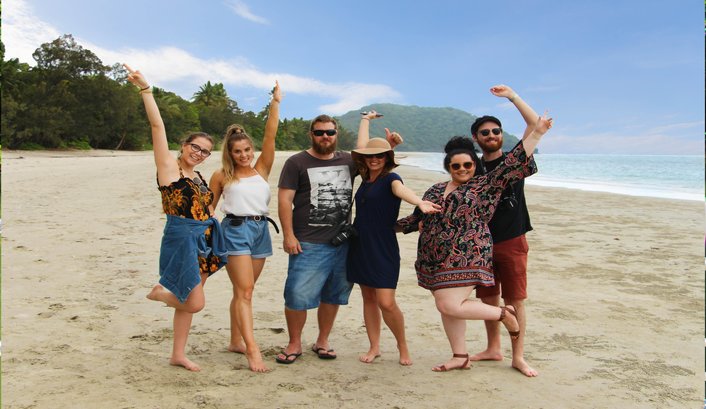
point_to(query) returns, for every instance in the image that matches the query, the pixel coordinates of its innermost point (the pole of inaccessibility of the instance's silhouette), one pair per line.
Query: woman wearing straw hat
(374, 256)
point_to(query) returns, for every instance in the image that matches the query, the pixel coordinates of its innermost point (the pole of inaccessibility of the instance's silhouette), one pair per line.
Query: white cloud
(175, 68)
(242, 9)
(22, 32)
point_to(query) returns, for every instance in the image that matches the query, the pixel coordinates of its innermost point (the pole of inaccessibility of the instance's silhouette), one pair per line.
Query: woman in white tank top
(246, 196)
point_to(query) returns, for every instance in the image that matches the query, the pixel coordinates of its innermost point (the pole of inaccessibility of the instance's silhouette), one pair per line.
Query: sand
(615, 308)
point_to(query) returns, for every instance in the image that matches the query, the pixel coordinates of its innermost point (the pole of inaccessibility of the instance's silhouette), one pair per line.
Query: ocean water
(664, 176)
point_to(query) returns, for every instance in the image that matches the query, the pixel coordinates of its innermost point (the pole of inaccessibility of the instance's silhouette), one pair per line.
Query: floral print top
(455, 248)
(189, 199)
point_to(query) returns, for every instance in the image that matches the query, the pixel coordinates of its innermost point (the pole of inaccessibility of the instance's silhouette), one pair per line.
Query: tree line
(71, 100)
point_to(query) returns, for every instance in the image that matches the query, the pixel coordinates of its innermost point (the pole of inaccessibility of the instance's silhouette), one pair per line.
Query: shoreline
(80, 252)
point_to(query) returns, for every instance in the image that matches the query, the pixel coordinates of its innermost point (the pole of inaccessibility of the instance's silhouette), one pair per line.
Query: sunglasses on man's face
(196, 148)
(457, 166)
(375, 155)
(486, 132)
(321, 132)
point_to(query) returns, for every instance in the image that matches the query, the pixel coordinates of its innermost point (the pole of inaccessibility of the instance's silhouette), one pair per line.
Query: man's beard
(491, 146)
(321, 150)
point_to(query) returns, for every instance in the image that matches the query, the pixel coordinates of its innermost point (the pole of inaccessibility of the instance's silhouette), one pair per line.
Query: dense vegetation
(70, 99)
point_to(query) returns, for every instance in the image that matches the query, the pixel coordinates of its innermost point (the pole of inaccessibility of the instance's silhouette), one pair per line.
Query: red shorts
(510, 268)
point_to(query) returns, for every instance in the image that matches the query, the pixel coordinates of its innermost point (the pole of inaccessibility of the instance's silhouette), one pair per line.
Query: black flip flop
(323, 353)
(286, 359)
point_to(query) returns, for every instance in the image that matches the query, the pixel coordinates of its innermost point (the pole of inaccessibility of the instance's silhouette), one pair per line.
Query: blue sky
(617, 76)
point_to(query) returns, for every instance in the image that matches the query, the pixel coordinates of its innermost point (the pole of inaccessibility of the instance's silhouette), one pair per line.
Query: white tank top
(248, 197)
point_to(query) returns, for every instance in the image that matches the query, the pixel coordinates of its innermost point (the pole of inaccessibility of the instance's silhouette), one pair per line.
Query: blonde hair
(233, 134)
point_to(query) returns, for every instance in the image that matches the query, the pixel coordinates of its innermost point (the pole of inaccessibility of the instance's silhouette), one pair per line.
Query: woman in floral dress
(454, 252)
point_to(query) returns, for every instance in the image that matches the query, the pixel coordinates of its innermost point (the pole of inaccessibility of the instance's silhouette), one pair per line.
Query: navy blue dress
(374, 256)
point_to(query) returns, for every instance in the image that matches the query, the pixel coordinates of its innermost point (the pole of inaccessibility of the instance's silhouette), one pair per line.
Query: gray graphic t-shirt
(323, 195)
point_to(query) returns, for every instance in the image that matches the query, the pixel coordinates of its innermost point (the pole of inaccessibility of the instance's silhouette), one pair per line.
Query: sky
(617, 76)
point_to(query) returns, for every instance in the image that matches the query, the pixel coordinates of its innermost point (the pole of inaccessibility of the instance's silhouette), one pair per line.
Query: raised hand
(393, 138)
(502, 91)
(372, 114)
(136, 78)
(277, 93)
(544, 123)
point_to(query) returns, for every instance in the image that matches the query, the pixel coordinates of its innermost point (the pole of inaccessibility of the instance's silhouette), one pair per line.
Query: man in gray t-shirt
(314, 200)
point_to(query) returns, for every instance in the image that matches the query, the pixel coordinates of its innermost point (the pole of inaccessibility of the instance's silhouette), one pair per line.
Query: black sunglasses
(486, 132)
(457, 166)
(196, 148)
(320, 132)
(202, 186)
(376, 155)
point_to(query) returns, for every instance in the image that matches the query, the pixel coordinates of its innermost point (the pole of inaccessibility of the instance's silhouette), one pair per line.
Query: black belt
(238, 220)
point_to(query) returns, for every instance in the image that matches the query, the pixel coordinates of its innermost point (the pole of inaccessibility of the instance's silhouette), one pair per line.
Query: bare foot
(237, 348)
(405, 359)
(185, 362)
(487, 355)
(255, 362)
(369, 356)
(155, 292)
(522, 366)
(453, 363)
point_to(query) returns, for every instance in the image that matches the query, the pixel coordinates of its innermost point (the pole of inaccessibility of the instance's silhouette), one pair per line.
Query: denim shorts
(250, 238)
(316, 275)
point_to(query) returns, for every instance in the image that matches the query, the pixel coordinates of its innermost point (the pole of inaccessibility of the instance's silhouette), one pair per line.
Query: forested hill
(424, 129)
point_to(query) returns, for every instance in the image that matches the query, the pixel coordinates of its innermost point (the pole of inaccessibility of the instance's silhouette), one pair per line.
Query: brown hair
(193, 136)
(363, 168)
(322, 119)
(233, 134)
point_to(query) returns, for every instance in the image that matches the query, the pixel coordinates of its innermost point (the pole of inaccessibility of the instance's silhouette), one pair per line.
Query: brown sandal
(513, 334)
(466, 364)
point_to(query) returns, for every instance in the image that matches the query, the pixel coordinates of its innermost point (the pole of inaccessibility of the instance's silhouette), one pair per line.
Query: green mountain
(424, 129)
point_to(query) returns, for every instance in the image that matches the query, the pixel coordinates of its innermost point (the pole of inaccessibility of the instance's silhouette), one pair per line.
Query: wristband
(513, 96)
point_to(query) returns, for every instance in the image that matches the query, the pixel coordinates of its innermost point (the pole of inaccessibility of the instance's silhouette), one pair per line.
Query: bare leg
(455, 303)
(295, 325)
(372, 318)
(236, 339)
(518, 345)
(182, 325)
(326, 315)
(394, 319)
(455, 327)
(240, 271)
(492, 330)
(193, 304)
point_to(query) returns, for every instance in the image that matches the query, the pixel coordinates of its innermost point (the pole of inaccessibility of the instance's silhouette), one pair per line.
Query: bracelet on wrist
(147, 90)
(365, 118)
(513, 96)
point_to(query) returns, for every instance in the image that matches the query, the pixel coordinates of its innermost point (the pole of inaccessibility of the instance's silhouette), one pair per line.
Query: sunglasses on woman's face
(375, 155)
(196, 148)
(202, 186)
(457, 166)
(486, 132)
(321, 132)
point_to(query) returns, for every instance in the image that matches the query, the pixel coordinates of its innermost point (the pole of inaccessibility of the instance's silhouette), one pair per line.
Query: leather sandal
(513, 334)
(466, 364)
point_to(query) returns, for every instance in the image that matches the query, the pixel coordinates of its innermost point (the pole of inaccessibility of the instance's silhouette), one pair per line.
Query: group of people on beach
(471, 232)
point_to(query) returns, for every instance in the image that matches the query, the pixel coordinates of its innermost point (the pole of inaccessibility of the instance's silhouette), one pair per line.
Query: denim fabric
(250, 238)
(317, 274)
(182, 242)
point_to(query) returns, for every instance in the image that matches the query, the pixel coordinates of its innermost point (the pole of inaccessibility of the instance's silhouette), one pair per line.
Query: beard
(491, 145)
(323, 150)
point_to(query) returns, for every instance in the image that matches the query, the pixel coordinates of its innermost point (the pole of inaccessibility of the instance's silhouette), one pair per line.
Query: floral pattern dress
(186, 198)
(455, 248)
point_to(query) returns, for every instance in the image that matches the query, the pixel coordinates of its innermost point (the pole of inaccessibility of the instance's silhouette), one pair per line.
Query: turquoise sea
(665, 176)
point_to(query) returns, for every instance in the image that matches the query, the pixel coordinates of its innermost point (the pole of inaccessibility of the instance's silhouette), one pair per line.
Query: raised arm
(530, 141)
(267, 156)
(526, 111)
(406, 194)
(364, 129)
(167, 167)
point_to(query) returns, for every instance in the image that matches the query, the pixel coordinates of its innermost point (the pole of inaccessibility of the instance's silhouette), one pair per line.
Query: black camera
(347, 232)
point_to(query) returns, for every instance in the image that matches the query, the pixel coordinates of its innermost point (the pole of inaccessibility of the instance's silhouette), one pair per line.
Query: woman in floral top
(454, 252)
(186, 254)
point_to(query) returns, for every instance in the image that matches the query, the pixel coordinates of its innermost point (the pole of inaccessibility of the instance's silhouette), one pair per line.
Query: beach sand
(615, 308)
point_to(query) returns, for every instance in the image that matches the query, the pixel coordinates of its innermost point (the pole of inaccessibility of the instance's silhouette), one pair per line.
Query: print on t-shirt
(331, 191)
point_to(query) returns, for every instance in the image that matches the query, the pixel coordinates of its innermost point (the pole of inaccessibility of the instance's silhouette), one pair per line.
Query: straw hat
(375, 145)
